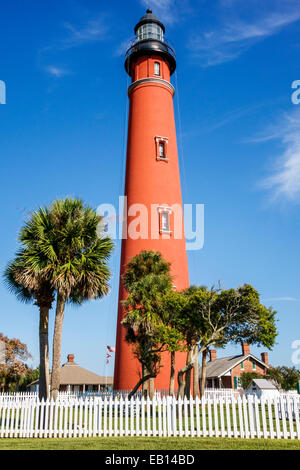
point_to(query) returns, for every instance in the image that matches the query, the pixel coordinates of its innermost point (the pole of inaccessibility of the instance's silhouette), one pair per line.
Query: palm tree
(147, 279)
(23, 280)
(69, 237)
(66, 252)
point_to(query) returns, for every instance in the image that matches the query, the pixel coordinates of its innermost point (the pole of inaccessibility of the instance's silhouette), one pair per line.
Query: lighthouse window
(165, 222)
(156, 68)
(162, 150)
(161, 146)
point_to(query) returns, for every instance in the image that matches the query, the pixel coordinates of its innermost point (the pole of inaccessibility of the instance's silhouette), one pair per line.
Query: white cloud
(168, 11)
(284, 180)
(93, 30)
(56, 71)
(235, 34)
(280, 299)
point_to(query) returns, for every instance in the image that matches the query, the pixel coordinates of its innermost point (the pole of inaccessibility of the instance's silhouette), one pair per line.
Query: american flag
(111, 349)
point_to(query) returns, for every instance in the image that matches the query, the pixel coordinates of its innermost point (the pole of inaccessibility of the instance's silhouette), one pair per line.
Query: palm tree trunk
(145, 384)
(181, 382)
(203, 372)
(44, 353)
(151, 388)
(172, 374)
(196, 373)
(57, 338)
(187, 389)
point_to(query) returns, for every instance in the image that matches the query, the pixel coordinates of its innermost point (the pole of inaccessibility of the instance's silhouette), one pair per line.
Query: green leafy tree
(216, 317)
(30, 376)
(285, 377)
(247, 377)
(171, 310)
(13, 368)
(147, 278)
(196, 327)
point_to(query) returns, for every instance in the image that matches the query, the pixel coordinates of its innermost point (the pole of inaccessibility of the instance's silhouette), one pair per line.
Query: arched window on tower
(157, 68)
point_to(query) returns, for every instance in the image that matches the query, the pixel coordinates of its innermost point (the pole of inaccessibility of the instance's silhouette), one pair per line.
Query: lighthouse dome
(150, 40)
(149, 27)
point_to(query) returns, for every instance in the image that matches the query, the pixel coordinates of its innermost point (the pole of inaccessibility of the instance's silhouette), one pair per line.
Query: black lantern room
(150, 40)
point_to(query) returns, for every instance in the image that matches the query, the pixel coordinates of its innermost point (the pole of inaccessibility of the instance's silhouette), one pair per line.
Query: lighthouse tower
(152, 185)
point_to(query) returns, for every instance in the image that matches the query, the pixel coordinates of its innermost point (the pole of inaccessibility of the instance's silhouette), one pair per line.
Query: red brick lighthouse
(152, 185)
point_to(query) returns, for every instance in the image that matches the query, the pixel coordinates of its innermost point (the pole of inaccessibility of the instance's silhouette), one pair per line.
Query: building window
(164, 219)
(156, 68)
(162, 150)
(161, 144)
(165, 222)
(253, 366)
(237, 383)
(242, 365)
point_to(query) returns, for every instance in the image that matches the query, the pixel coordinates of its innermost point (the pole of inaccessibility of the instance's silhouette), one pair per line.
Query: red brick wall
(237, 371)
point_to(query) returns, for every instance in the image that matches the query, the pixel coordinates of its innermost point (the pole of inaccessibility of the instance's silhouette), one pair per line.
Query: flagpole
(106, 369)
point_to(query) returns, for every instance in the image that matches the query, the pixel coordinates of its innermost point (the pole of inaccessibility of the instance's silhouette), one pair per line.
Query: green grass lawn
(150, 443)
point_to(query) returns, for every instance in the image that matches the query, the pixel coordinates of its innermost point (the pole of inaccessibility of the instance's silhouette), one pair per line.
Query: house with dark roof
(226, 371)
(74, 378)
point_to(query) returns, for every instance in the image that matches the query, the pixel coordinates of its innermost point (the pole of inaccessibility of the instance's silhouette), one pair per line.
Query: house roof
(263, 384)
(73, 374)
(219, 367)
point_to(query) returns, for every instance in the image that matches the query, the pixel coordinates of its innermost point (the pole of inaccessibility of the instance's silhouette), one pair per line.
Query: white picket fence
(244, 417)
(66, 396)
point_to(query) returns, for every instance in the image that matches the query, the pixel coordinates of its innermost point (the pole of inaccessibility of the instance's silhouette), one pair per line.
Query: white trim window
(157, 68)
(164, 219)
(161, 144)
(165, 222)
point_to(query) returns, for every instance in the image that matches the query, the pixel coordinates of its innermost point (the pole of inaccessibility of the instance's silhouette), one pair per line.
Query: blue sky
(62, 133)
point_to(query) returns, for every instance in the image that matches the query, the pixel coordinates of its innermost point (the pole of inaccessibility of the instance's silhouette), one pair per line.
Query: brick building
(226, 371)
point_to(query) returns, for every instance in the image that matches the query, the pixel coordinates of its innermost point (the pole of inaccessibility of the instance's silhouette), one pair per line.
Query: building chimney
(70, 357)
(264, 357)
(245, 349)
(213, 354)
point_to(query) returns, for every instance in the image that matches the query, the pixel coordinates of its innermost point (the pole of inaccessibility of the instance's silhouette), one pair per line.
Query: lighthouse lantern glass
(150, 31)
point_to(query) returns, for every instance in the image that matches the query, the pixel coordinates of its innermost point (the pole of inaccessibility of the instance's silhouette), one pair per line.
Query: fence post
(277, 422)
